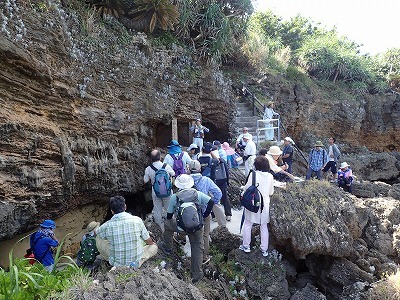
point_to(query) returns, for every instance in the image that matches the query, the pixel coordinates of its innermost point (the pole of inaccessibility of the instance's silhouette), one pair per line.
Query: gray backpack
(189, 214)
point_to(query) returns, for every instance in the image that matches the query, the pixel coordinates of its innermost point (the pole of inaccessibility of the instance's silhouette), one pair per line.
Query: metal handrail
(258, 130)
(257, 105)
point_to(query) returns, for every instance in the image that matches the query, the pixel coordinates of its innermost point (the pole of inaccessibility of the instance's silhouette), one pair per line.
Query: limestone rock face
(82, 103)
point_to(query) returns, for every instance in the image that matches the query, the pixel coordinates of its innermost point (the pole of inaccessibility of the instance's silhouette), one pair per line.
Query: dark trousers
(224, 199)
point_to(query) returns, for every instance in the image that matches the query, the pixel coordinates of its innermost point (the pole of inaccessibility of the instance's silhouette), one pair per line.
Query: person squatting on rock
(316, 161)
(42, 242)
(249, 153)
(333, 157)
(264, 181)
(345, 177)
(278, 172)
(88, 251)
(198, 131)
(208, 187)
(186, 192)
(179, 160)
(207, 160)
(287, 153)
(149, 175)
(126, 235)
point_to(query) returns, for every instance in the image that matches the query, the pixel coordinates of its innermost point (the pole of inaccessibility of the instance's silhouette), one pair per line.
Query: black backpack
(189, 214)
(252, 199)
(88, 251)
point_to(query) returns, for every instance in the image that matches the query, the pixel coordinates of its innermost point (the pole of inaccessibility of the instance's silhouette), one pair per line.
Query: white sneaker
(228, 218)
(245, 248)
(264, 253)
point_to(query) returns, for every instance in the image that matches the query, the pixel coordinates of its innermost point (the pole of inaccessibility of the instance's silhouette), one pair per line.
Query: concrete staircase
(245, 118)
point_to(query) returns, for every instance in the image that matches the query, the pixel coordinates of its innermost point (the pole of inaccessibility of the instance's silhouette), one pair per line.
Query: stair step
(245, 113)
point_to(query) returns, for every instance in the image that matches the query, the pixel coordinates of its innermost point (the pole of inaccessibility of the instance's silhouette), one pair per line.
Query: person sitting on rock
(129, 240)
(345, 177)
(240, 143)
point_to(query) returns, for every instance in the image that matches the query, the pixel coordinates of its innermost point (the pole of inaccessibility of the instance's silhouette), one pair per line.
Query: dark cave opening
(138, 204)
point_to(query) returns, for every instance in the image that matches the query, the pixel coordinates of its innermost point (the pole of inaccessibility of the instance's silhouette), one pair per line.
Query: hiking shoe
(206, 259)
(245, 248)
(181, 242)
(197, 280)
(264, 252)
(164, 249)
(228, 218)
(214, 219)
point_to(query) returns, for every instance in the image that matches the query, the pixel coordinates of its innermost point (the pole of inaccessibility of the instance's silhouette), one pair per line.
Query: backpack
(162, 182)
(252, 199)
(206, 168)
(189, 215)
(88, 251)
(220, 171)
(32, 243)
(178, 166)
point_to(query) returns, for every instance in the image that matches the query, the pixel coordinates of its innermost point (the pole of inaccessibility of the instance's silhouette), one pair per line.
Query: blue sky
(375, 24)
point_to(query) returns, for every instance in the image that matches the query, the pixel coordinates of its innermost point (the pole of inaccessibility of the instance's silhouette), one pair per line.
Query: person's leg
(319, 174)
(309, 173)
(246, 168)
(225, 200)
(219, 214)
(247, 225)
(206, 235)
(169, 229)
(157, 210)
(196, 260)
(264, 237)
(289, 170)
(148, 252)
(334, 170)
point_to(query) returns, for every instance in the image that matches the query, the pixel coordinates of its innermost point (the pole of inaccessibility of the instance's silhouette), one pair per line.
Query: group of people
(191, 182)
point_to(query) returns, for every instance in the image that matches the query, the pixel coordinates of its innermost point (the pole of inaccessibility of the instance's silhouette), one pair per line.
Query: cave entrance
(138, 204)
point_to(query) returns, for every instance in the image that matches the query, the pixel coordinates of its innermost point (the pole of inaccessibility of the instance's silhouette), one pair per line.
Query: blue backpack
(252, 199)
(162, 183)
(178, 166)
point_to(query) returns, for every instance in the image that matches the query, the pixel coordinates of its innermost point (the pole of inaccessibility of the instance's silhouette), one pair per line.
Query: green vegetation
(25, 281)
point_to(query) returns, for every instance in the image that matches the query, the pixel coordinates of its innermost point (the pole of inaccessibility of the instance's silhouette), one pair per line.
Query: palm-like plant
(161, 12)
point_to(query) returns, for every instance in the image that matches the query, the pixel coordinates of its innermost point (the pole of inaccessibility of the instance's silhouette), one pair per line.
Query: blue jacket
(42, 248)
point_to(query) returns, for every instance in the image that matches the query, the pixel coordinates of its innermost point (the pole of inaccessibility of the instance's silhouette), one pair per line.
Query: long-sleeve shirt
(317, 159)
(207, 186)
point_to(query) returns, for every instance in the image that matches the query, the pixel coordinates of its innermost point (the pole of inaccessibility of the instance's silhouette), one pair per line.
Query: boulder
(309, 292)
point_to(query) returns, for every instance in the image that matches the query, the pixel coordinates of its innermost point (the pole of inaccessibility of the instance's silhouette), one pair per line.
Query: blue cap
(173, 143)
(207, 147)
(48, 224)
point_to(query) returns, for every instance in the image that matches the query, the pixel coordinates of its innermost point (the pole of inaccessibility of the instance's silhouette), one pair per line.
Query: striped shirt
(126, 234)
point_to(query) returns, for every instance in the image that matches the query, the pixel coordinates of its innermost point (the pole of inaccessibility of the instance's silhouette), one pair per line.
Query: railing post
(254, 107)
(279, 129)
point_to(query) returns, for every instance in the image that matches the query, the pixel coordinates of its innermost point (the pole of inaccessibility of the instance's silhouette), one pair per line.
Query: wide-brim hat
(274, 150)
(318, 144)
(92, 226)
(173, 144)
(48, 224)
(247, 136)
(192, 146)
(195, 166)
(344, 165)
(184, 181)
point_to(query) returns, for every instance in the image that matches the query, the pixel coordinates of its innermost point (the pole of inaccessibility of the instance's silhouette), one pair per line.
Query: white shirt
(150, 174)
(240, 138)
(330, 154)
(251, 148)
(185, 159)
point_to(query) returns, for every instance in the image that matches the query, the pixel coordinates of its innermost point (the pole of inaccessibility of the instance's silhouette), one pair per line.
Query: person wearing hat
(130, 242)
(221, 151)
(185, 183)
(279, 172)
(345, 177)
(240, 143)
(230, 155)
(208, 187)
(287, 153)
(42, 242)
(316, 161)
(198, 131)
(175, 153)
(150, 175)
(90, 229)
(268, 116)
(249, 153)
(193, 150)
(209, 161)
(333, 157)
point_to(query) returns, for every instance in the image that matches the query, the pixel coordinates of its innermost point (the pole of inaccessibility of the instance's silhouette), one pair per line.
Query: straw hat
(184, 181)
(92, 226)
(318, 144)
(344, 165)
(274, 150)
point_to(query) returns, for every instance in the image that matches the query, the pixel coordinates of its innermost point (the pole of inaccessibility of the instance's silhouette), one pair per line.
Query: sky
(374, 24)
